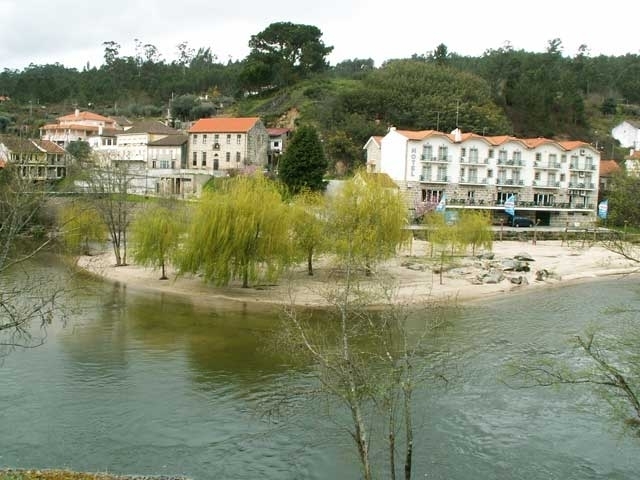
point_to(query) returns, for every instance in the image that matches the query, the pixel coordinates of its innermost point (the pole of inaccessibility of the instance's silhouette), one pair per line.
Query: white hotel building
(553, 182)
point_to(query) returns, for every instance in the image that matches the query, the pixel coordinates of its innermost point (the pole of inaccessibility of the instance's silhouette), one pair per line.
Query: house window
(490, 173)
(276, 144)
(502, 155)
(216, 138)
(237, 157)
(204, 159)
(195, 139)
(228, 157)
(473, 154)
(238, 139)
(536, 176)
(204, 139)
(562, 177)
(443, 153)
(427, 152)
(153, 164)
(491, 153)
(195, 159)
(228, 139)
(463, 152)
(538, 157)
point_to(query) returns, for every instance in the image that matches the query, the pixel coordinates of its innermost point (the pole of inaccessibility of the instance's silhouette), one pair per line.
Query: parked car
(522, 222)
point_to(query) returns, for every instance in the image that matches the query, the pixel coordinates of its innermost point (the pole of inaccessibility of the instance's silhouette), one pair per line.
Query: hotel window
(195, 139)
(195, 159)
(238, 157)
(228, 139)
(238, 139)
(204, 139)
(228, 157)
(204, 159)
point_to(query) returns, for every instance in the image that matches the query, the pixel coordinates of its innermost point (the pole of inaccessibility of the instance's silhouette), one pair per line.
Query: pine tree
(304, 164)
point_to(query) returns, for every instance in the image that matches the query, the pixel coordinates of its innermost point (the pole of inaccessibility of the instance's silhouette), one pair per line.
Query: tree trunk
(310, 262)
(164, 275)
(245, 276)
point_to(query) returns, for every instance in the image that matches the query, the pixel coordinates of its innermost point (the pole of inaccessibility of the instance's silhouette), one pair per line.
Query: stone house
(223, 144)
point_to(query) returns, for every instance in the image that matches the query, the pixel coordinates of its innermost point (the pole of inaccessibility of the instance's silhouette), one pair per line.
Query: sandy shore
(412, 270)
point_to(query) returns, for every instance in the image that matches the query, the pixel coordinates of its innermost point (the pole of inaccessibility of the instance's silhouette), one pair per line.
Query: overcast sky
(72, 32)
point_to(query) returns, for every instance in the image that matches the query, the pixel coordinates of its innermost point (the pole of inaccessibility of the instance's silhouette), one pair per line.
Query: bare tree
(609, 364)
(365, 350)
(109, 188)
(27, 294)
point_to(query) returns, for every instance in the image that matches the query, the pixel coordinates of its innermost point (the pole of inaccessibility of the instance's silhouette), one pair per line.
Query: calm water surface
(152, 384)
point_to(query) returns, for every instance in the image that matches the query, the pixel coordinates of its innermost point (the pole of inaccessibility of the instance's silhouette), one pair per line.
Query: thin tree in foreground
(609, 364)
(366, 363)
(156, 232)
(239, 230)
(27, 294)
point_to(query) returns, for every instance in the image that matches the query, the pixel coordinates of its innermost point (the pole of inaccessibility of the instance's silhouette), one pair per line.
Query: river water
(145, 383)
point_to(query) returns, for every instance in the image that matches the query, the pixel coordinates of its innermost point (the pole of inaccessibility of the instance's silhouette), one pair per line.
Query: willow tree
(81, 224)
(474, 228)
(367, 220)
(309, 222)
(239, 230)
(156, 232)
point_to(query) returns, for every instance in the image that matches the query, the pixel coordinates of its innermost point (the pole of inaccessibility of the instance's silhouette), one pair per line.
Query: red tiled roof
(74, 126)
(608, 167)
(49, 147)
(224, 125)
(86, 116)
(276, 132)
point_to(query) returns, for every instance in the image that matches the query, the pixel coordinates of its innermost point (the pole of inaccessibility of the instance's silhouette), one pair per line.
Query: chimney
(457, 135)
(77, 112)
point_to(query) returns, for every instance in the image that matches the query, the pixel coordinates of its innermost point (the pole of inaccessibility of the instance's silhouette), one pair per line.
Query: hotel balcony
(540, 184)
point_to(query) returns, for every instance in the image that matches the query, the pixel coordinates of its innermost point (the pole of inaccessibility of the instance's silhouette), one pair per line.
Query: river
(146, 383)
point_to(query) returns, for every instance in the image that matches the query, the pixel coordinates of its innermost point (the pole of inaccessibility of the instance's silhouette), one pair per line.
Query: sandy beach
(551, 263)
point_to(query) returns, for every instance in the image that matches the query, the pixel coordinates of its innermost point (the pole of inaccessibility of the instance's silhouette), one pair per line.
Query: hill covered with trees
(286, 80)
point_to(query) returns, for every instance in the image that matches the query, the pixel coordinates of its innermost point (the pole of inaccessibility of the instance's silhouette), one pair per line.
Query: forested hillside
(286, 80)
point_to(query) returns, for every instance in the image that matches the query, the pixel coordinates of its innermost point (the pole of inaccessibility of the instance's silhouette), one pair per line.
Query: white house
(77, 126)
(628, 134)
(553, 181)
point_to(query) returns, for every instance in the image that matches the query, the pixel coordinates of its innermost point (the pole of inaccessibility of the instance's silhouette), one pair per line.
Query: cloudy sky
(72, 32)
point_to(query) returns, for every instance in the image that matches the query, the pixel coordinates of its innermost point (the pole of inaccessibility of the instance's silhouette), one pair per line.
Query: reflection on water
(150, 383)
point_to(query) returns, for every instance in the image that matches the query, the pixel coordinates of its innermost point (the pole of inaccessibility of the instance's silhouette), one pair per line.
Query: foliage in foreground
(11, 474)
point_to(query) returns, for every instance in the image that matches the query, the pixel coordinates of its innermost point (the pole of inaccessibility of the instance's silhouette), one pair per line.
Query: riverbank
(415, 272)
(25, 474)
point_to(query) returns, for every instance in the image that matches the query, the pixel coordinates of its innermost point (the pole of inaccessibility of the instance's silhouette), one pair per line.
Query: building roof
(608, 167)
(49, 146)
(72, 126)
(78, 115)
(18, 144)
(496, 141)
(276, 132)
(150, 126)
(23, 145)
(224, 125)
(170, 141)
